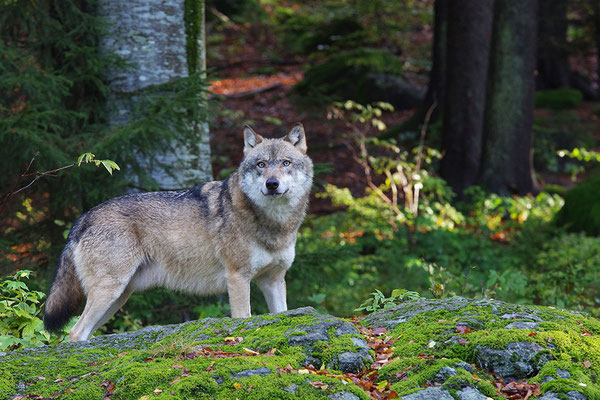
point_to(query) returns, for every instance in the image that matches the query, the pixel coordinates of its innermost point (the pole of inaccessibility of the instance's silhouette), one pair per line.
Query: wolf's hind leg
(272, 284)
(101, 304)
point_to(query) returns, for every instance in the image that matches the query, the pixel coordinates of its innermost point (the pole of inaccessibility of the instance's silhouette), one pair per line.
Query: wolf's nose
(272, 184)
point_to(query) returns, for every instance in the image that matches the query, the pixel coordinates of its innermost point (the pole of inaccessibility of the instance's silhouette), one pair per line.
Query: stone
(443, 374)
(521, 315)
(469, 393)
(430, 393)
(250, 372)
(522, 325)
(350, 362)
(292, 388)
(343, 396)
(517, 360)
(467, 367)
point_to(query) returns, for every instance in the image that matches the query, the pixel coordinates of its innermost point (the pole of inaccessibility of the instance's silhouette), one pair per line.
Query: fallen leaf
(587, 364)
(237, 385)
(251, 352)
(158, 391)
(462, 329)
(319, 384)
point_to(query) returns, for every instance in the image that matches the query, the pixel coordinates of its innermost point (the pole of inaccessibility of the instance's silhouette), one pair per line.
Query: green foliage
(566, 273)
(91, 158)
(378, 301)
(492, 213)
(53, 101)
(581, 212)
(558, 132)
(558, 99)
(20, 308)
(345, 75)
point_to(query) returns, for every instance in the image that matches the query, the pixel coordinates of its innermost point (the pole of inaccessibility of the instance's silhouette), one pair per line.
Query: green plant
(20, 307)
(580, 154)
(378, 301)
(401, 186)
(566, 273)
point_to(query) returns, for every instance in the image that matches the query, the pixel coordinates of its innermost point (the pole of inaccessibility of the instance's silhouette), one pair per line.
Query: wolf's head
(276, 171)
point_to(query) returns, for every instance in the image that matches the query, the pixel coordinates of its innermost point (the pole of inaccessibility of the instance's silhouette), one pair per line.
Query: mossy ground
(177, 367)
(427, 340)
(431, 340)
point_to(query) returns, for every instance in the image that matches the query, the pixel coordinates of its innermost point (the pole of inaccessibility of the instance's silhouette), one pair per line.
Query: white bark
(150, 35)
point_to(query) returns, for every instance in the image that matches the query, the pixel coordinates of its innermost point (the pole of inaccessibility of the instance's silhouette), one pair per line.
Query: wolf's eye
(286, 163)
(261, 164)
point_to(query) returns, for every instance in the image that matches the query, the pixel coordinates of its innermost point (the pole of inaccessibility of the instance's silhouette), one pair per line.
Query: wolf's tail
(65, 295)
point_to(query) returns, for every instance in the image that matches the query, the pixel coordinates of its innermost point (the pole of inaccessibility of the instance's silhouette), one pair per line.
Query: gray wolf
(213, 238)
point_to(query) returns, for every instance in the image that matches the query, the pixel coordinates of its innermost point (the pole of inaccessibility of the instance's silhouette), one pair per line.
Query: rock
(250, 372)
(350, 362)
(469, 393)
(517, 360)
(431, 393)
(522, 325)
(563, 373)
(575, 395)
(292, 388)
(343, 396)
(467, 367)
(572, 395)
(443, 374)
(137, 363)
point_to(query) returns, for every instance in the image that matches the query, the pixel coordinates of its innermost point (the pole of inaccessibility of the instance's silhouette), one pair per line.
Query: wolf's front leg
(238, 288)
(272, 284)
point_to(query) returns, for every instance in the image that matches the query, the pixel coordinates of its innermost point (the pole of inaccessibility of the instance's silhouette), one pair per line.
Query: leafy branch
(34, 176)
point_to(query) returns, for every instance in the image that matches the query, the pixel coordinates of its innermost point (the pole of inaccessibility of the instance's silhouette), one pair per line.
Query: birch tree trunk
(161, 40)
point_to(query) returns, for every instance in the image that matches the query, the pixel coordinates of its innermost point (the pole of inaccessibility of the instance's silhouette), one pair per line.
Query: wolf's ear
(251, 138)
(297, 137)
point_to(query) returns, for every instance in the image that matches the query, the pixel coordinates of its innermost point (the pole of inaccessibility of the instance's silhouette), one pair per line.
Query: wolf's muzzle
(272, 184)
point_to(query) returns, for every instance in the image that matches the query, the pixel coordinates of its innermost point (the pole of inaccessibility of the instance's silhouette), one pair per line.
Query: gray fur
(210, 239)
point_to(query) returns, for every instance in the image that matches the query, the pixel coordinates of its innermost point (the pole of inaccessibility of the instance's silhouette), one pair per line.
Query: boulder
(467, 349)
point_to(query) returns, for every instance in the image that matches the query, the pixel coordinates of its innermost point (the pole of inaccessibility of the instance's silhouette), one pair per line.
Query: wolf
(213, 238)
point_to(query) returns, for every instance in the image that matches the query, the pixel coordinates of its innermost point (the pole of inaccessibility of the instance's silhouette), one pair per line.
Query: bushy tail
(65, 295)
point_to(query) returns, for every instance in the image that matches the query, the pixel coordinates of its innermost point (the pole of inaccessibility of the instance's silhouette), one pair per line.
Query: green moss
(7, 384)
(558, 99)
(194, 20)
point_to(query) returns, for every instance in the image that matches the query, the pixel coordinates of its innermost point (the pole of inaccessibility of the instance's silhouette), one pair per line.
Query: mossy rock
(558, 99)
(364, 75)
(442, 349)
(581, 212)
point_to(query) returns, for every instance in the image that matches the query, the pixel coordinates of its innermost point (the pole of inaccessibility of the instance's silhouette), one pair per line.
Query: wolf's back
(66, 294)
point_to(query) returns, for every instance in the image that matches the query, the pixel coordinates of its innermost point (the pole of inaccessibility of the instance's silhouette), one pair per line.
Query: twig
(423, 133)
(13, 190)
(36, 175)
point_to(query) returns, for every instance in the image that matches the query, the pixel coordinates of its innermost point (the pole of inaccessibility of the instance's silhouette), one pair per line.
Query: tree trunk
(507, 166)
(553, 63)
(468, 44)
(162, 40)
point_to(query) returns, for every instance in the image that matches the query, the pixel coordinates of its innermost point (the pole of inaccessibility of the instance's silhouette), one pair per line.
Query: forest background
(455, 145)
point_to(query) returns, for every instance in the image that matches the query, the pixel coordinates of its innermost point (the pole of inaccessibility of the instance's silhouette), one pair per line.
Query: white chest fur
(260, 258)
